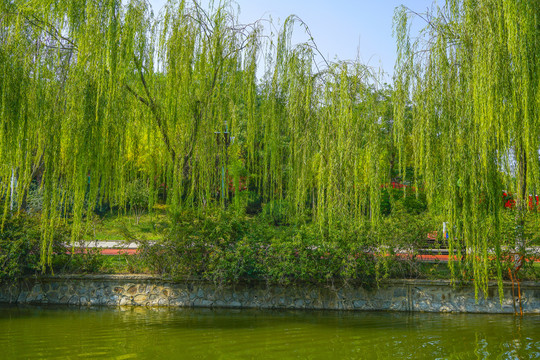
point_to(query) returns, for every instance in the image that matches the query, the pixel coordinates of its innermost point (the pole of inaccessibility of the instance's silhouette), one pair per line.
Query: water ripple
(68, 333)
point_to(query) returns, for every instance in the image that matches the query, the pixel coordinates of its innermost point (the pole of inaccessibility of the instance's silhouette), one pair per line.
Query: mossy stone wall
(144, 290)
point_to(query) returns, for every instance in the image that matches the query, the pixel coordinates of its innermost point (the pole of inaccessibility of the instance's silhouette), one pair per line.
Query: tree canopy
(472, 84)
(95, 93)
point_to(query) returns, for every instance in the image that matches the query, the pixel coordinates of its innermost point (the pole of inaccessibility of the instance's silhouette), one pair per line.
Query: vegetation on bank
(228, 247)
(106, 106)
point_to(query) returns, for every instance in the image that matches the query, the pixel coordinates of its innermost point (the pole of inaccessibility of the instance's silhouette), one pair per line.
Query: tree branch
(137, 96)
(49, 29)
(153, 108)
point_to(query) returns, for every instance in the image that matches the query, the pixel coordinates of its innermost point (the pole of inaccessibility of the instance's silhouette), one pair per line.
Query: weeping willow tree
(472, 84)
(322, 149)
(97, 93)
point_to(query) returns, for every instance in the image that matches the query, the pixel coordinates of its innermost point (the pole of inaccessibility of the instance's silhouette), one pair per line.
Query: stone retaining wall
(144, 290)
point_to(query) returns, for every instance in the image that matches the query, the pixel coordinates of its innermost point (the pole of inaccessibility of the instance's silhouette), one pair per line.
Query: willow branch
(49, 29)
(153, 108)
(137, 96)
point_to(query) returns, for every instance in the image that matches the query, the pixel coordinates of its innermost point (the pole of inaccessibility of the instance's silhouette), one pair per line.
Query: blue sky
(342, 29)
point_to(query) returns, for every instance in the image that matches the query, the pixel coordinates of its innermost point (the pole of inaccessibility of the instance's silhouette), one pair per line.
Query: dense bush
(406, 199)
(228, 247)
(19, 247)
(34, 199)
(520, 234)
(20, 250)
(403, 230)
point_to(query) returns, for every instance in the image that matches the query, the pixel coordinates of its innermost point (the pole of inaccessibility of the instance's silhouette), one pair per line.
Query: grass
(122, 226)
(121, 264)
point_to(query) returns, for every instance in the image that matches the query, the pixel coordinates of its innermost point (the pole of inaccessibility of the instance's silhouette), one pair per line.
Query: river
(30, 332)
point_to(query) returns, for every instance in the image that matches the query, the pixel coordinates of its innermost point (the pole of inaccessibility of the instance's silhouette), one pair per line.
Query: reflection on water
(140, 333)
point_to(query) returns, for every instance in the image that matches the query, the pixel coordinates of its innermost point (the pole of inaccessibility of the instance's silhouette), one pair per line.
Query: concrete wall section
(144, 290)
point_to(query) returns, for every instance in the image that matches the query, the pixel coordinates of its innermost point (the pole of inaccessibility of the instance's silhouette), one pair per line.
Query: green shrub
(254, 203)
(225, 247)
(287, 261)
(412, 203)
(276, 212)
(403, 230)
(19, 247)
(89, 261)
(20, 250)
(138, 196)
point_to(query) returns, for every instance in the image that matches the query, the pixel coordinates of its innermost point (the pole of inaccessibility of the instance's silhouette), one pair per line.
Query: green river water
(141, 333)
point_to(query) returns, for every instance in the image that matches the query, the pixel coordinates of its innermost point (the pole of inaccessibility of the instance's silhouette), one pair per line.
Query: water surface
(140, 333)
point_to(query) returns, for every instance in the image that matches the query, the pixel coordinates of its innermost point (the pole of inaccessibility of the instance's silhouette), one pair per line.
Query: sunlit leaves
(472, 82)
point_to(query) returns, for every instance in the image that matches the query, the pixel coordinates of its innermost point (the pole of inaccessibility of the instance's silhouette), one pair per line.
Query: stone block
(53, 298)
(178, 302)
(359, 304)
(124, 301)
(400, 292)
(22, 297)
(73, 300)
(163, 302)
(140, 299)
(202, 303)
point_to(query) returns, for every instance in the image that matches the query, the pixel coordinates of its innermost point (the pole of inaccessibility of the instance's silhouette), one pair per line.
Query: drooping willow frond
(97, 93)
(472, 82)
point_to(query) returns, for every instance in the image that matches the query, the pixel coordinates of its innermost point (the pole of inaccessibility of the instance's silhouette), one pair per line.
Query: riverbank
(147, 290)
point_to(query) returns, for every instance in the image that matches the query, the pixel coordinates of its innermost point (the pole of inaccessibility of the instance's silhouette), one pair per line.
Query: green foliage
(124, 94)
(19, 247)
(306, 259)
(406, 230)
(97, 93)
(466, 92)
(276, 212)
(20, 250)
(231, 248)
(138, 196)
(85, 261)
(34, 200)
(254, 203)
(513, 230)
(402, 200)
